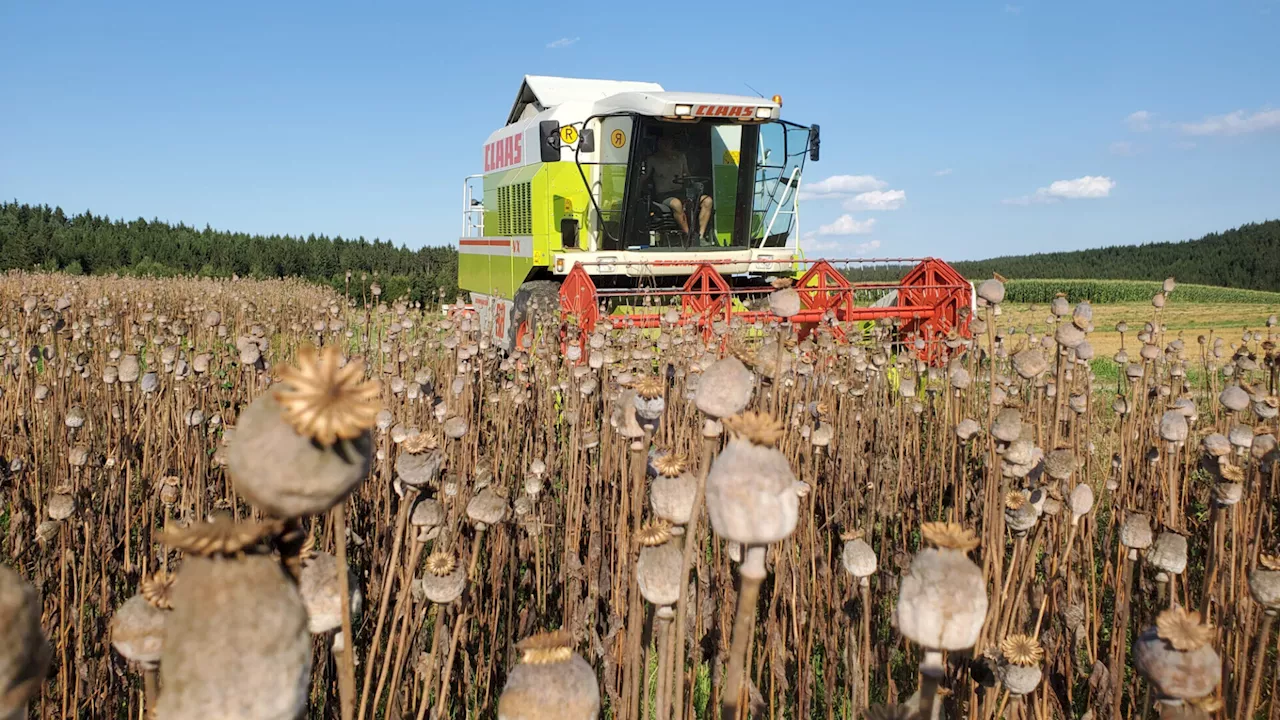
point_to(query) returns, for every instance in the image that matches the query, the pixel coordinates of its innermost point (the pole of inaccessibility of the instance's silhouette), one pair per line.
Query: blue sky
(977, 128)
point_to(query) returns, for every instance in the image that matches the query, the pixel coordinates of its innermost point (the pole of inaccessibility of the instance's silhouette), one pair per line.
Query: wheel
(536, 303)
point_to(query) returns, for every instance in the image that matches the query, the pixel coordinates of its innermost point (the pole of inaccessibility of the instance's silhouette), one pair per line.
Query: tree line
(45, 238)
(1246, 257)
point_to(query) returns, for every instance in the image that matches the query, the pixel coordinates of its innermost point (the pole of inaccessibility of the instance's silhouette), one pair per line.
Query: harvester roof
(542, 92)
(539, 93)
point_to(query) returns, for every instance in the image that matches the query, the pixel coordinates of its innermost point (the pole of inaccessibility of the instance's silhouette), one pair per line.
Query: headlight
(684, 110)
(764, 113)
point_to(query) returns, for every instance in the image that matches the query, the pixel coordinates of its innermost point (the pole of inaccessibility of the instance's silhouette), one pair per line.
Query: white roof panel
(662, 104)
(544, 91)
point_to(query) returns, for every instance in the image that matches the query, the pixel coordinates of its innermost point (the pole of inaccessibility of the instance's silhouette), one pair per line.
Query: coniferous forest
(38, 236)
(1246, 257)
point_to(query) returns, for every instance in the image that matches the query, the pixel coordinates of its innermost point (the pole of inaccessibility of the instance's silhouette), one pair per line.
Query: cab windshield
(703, 186)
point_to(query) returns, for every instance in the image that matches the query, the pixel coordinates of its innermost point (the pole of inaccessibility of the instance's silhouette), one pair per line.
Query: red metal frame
(930, 298)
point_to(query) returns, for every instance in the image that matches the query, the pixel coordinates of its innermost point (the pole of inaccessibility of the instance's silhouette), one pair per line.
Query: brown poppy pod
(236, 643)
(24, 651)
(137, 631)
(751, 495)
(286, 474)
(658, 572)
(551, 682)
(992, 291)
(318, 584)
(1176, 658)
(725, 388)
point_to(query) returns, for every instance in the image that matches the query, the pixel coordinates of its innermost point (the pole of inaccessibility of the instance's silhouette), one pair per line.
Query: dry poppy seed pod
(1264, 582)
(137, 631)
(1169, 553)
(1157, 300)
(1082, 316)
(967, 428)
(1241, 436)
(551, 682)
(1059, 306)
(1216, 444)
(1068, 335)
(672, 493)
(24, 651)
(1060, 464)
(318, 584)
(750, 491)
(1173, 427)
(1234, 398)
(60, 506)
(428, 518)
(1019, 513)
(419, 469)
(286, 474)
(1135, 533)
(725, 388)
(1267, 408)
(648, 400)
(444, 579)
(129, 369)
(784, 303)
(658, 567)
(1263, 447)
(859, 559)
(487, 508)
(992, 291)
(1007, 426)
(75, 417)
(942, 600)
(1081, 502)
(236, 643)
(1020, 671)
(455, 427)
(1176, 657)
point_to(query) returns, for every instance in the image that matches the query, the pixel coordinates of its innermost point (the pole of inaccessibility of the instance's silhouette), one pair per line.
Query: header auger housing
(931, 305)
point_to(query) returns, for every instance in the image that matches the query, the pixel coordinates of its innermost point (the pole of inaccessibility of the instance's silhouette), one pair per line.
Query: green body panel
(555, 191)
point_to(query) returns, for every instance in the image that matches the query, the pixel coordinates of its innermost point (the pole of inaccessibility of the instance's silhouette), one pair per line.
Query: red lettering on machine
(732, 111)
(504, 153)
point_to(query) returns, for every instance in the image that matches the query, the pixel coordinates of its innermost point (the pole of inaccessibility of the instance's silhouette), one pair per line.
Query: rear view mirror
(569, 232)
(815, 142)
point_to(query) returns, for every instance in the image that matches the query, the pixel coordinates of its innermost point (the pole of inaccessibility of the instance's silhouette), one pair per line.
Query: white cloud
(847, 225)
(1087, 187)
(841, 186)
(943, 172)
(1236, 123)
(876, 200)
(1121, 148)
(1139, 121)
(1013, 9)
(1184, 145)
(813, 243)
(563, 42)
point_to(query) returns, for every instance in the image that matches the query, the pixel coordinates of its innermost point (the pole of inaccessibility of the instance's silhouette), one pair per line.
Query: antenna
(757, 92)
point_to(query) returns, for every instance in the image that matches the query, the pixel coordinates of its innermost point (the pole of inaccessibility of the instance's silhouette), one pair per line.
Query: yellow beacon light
(777, 100)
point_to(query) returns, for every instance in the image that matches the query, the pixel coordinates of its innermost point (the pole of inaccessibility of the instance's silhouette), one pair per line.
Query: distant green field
(1124, 291)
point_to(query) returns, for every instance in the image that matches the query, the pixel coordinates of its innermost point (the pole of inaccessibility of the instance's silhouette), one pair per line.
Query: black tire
(545, 295)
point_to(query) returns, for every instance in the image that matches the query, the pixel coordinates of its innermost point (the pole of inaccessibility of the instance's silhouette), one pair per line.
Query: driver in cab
(668, 168)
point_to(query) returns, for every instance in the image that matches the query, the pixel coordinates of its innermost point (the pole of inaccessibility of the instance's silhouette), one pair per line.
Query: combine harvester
(620, 202)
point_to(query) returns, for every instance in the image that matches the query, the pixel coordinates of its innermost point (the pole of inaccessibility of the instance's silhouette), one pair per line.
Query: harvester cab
(597, 194)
